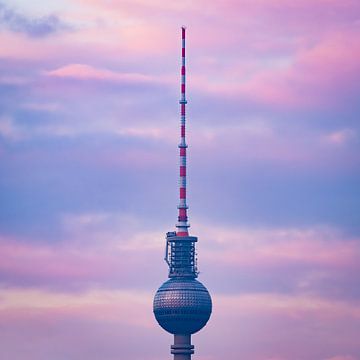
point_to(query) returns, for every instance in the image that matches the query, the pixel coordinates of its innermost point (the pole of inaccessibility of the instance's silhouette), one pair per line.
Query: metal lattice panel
(181, 256)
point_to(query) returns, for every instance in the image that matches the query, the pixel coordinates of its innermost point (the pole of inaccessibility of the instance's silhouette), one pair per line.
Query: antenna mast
(182, 225)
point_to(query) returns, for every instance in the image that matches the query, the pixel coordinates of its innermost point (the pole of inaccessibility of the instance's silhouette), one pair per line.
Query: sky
(89, 127)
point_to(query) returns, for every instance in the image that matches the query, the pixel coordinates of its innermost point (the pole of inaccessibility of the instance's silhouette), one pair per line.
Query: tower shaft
(182, 225)
(182, 348)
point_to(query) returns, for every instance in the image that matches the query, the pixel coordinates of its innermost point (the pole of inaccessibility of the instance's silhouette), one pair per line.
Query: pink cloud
(99, 305)
(87, 72)
(258, 139)
(316, 76)
(273, 248)
(81, 332)
(72, 265)
(21, 259)
(267, 326)
(301, 70)
(92, 256)
(340, 137)
(96, 254)
(253, 326)
(258, 25)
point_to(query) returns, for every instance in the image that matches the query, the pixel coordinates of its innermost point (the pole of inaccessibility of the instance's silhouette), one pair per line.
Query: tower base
(182, 348)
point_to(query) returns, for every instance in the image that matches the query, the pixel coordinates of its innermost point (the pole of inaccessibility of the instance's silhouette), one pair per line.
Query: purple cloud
(33, 27)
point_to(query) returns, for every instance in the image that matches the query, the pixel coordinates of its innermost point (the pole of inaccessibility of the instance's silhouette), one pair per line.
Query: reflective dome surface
(182, 306)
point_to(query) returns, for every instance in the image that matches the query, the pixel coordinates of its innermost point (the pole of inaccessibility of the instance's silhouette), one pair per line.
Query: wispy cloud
(340, 137)
(9, 130)
(342, 357)
(87, 72)
(33, 27)
(42, 107)
(100, 315)
(311, 258)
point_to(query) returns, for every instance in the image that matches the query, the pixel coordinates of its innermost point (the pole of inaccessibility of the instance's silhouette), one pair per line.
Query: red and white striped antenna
(182, 225)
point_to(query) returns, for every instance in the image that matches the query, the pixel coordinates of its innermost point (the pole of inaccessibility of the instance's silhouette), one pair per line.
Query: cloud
(9, 130)
(42, 106)
(14, 80)
(87, 72)
(315, 76)
(272, 326)
(310, 261)
(342, 357)
(340, 137)
(308, 326)
(17, 298)
(271, 247)
(95, 250)
(97, 319)
(307, 262)
(33, 27)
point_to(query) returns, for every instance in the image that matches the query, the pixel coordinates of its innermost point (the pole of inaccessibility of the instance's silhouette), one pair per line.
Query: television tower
(182, 305)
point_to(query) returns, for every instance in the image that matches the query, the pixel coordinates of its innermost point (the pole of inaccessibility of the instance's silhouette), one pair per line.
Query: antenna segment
(182, 225)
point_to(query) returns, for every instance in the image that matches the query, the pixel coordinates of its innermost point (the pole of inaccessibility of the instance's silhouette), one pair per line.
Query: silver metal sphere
(182, 306)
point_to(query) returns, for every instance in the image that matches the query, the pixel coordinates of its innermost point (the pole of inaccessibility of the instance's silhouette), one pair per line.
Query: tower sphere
(182, 306)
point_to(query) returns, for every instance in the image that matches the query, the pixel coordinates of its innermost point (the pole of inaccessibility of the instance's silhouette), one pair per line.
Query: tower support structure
(182, 348)
(182, 305)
